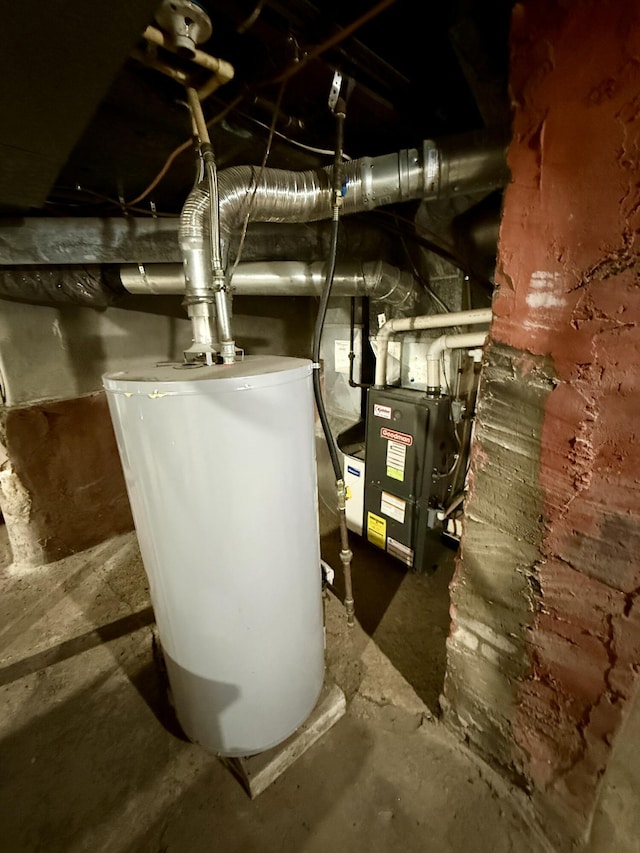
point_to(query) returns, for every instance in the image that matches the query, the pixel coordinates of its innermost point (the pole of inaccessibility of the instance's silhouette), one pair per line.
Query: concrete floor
(92, 759)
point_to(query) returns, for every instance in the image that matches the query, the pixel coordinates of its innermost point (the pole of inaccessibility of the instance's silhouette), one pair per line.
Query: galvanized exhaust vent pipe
(205, 281)
(455, 166)
(379, 280)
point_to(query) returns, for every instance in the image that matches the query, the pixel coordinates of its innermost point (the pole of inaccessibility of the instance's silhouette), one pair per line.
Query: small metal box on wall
(410, 454)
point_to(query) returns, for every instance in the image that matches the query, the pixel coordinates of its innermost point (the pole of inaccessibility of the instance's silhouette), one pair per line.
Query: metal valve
(186, 23)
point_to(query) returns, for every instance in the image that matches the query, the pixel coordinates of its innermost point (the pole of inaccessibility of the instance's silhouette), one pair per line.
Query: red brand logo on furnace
(400, 437)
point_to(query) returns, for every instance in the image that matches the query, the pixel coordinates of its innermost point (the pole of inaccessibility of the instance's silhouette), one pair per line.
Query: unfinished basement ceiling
(86, 126)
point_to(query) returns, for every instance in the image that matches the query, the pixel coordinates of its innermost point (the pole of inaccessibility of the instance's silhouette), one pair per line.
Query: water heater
(220, 468)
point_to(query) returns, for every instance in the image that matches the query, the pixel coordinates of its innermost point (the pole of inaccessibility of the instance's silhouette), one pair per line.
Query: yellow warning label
(376, 530)
(395, 473)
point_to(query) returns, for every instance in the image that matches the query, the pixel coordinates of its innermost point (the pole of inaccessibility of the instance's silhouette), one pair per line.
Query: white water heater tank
(220, 467)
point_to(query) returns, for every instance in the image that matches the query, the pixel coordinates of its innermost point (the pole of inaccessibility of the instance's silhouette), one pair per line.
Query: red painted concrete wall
(569, 294)
(63, 488)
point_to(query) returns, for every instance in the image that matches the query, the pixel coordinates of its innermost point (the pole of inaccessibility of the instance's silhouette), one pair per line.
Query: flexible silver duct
(454, 166)
(204, 271)
(248, 193)
(245, 193)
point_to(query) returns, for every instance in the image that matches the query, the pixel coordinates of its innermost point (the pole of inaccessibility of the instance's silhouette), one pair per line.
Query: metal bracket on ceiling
(186, 23)
(220, 71)
(334, 91)
(336, 87)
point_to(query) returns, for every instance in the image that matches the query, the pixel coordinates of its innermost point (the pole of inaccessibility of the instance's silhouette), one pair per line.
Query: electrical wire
(163, 171)
(180, 150)
(253, 17)
(287, 74)
(429, 241)
(245, 224)
(323, 306)
(427, 287)
(325, 152)
(105, 198)
(341, 35)
(441, 475)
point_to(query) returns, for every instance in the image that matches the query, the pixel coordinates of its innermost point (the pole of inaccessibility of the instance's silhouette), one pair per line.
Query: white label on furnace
(396, 457)
(382, 411)
(393, 507)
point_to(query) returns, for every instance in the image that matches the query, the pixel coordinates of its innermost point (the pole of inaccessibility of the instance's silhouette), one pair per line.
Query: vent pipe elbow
(194, 225)
(457, 165)
(389, 284)
(272, 195)
(468, 340)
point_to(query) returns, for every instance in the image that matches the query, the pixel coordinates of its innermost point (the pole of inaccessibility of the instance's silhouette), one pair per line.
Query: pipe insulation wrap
(55, 285)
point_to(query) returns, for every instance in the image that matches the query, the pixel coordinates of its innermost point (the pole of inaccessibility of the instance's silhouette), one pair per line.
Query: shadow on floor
(405, 612)
(76, 645)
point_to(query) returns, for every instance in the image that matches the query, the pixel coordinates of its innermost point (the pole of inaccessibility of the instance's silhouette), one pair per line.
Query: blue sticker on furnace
(353, 471)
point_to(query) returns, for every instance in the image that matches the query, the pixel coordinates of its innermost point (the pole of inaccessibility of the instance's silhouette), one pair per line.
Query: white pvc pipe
(421, 323)
(469, 340)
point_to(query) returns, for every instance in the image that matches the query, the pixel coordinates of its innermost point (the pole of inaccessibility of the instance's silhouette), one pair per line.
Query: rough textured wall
(61, 484)
(548, 575)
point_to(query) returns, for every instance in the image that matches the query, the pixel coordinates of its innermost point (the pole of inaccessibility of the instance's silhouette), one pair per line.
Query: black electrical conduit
(337, 180)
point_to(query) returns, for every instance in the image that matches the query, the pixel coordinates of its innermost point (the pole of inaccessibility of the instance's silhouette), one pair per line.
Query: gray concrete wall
(51, 353)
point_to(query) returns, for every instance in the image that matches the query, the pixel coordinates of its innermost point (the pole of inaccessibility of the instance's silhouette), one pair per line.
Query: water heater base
(257, 772)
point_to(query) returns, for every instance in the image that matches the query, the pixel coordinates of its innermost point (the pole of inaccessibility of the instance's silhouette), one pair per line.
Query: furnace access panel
(410, 446)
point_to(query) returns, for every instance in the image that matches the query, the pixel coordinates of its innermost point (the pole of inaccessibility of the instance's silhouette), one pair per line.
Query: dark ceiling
(86, 127)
